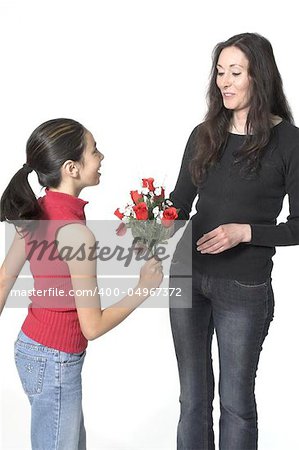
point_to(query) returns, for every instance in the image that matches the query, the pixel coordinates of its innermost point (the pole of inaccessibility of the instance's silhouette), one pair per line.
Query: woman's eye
(236, 74)
(219, 74)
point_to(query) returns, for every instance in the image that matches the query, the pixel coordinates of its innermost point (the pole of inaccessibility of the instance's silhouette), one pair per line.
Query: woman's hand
(151, 274)
(224, 237)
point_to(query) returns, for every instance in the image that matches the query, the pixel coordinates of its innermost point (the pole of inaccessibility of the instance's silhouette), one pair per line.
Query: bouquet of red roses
(149, 215)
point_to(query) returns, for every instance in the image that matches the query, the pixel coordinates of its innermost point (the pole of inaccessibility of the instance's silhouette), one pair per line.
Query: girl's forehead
(89, 138)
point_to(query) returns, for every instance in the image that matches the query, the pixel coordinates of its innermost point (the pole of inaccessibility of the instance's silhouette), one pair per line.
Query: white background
(135, 74)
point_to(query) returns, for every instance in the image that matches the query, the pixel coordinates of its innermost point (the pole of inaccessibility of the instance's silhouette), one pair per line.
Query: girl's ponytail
(18, 203)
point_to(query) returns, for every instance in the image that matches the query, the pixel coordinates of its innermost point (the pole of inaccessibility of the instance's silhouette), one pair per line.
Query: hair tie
(27, 168)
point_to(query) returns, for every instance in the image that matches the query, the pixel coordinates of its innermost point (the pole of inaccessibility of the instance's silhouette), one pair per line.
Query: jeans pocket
(31, 371)
(73, 359)
(250, 284)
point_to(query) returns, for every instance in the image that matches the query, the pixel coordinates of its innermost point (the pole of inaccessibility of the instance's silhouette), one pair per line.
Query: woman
(50, 348)
(241, 161)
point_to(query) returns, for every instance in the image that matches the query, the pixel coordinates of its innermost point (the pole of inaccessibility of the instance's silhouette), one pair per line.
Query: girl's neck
(66, 189)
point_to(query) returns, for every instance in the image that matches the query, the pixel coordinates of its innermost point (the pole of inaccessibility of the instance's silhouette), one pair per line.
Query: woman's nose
(226, 81)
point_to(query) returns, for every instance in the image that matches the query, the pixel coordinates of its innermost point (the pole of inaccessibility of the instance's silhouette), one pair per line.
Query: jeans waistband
(26, 342)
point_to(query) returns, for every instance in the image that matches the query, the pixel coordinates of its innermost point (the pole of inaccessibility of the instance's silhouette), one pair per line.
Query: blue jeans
(52, 381)
(240, 313)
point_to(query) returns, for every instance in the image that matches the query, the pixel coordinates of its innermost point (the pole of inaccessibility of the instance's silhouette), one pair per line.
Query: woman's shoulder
(286, 129)
(199, 127)
(197, 130)
(286, 135)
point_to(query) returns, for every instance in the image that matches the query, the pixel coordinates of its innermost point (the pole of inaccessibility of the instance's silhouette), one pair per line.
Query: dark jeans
(241, 314)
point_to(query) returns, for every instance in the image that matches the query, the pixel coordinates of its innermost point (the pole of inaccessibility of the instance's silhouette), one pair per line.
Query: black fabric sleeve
(185, 191)
(286, 233)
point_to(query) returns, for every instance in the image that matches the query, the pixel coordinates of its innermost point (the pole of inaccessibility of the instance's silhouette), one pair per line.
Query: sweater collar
(66, 201)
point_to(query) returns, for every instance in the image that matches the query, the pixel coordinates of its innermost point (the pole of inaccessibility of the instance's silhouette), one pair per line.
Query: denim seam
(250, 286)
(41, 376)
(206, 437)
(258, 352)
(268, 318)
(58, 404)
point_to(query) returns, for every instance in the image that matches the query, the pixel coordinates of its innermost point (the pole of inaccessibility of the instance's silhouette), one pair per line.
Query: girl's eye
(219, 74)
(236, 74)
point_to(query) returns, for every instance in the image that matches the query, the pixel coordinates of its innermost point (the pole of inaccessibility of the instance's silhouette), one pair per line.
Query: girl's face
(92, 159)
(233, 80)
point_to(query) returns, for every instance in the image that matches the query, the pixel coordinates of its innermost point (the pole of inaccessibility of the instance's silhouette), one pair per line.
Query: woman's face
(233, 80)
(92, 159)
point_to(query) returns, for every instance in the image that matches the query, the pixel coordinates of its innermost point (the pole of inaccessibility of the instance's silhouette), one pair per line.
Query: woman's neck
(238, 122)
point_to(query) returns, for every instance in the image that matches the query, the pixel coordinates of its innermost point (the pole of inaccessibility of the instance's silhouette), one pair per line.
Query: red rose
(121, 230)
(141, 211)
(148, 183)
(136, 196)
(118, 214)
(169, 215)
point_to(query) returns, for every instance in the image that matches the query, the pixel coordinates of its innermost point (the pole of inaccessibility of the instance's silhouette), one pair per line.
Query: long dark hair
(267, 97)
(48, 147)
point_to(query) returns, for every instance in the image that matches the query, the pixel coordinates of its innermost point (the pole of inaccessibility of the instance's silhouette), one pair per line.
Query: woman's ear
(70, 168)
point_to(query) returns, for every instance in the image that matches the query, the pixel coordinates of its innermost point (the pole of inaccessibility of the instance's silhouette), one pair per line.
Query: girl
(50, 348)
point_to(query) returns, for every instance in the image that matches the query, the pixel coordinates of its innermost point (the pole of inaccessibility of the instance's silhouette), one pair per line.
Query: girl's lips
(227, 94)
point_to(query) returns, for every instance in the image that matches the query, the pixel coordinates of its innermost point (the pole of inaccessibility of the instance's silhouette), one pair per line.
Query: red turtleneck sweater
(52, 319)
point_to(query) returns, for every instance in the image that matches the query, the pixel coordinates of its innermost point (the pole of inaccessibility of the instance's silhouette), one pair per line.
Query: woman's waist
(205, 221)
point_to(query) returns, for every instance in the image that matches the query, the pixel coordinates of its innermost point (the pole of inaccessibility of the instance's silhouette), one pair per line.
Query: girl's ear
(70, 168)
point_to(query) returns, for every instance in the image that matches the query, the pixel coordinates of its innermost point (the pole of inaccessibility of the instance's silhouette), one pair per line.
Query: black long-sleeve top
(227, 196)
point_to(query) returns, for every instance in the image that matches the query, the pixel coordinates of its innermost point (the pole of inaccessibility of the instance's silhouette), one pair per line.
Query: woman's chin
(228, 107)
